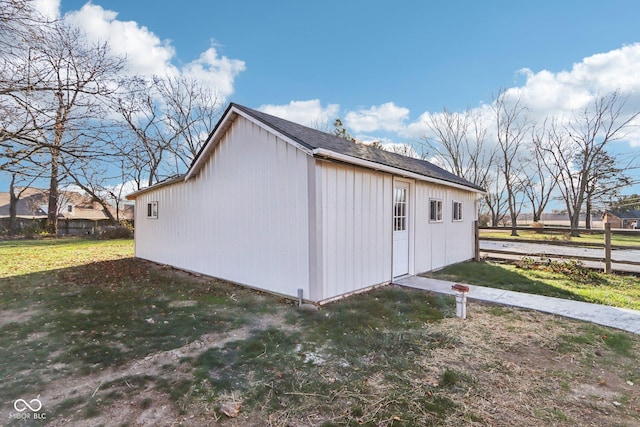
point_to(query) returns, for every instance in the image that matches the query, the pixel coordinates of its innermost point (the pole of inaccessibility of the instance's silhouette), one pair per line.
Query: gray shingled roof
(627, 214)
(313, 138)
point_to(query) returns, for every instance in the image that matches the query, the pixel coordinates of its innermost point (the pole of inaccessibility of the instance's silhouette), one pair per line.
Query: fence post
(607, 248)
(476, 232)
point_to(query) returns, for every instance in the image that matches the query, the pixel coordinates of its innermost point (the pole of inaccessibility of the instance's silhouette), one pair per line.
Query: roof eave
(166, 183)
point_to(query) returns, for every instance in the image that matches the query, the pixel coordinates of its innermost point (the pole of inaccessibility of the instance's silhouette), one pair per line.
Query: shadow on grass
(79, 320)
(366, 347)
(498, 277)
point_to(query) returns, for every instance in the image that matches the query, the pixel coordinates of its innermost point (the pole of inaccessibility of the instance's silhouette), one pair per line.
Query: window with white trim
(435, 210)
(152, 210)
(457, 211)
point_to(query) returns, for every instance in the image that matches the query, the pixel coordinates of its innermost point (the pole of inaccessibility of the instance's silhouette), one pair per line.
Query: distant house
(77, 213)
(622, 218)
(278, 206)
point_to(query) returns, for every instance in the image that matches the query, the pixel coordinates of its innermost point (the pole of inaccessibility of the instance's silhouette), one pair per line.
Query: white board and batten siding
(354, 228)
(448, 241)
(244, 217)
(357, 228)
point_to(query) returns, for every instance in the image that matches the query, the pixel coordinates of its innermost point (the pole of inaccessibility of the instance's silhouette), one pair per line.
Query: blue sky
(381, 66)
(421, 55)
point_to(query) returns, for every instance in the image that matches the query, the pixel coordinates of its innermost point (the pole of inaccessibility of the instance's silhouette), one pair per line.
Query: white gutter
(322, 152)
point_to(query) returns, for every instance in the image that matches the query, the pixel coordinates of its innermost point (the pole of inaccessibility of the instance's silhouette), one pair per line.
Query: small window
(70, 208)
(435, 211)
(152, 210)
(457, 211)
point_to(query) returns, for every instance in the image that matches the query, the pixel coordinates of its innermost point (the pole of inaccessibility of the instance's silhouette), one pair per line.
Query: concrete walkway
(620, 318)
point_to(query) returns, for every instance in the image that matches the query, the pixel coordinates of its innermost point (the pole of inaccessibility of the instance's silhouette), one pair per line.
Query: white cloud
(148, 55)
(145, 52)
(309, 113)
(48, 8)
(214, 71)
(565, 92)
(546, 93)
(386, 117)
(419, 128)
(370, 139)
(124, 188)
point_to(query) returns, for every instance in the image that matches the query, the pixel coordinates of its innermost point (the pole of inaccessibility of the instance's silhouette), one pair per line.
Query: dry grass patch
(525, 372)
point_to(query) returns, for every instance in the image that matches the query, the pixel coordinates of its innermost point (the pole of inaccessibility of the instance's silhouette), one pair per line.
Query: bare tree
(166, 123)
(20, 28)
(191, 112)
(459, 142)
(17, 19)
(604, 185)
(63, 100)
(403, 149)
(511, 128)
(53, 101)
(495, 200)
(629, 202)
(91, 178)
(579, 150)
(540, 173)
(142, 141)
(22, 171)
(20, 23)
(450, 144)
(15, 194)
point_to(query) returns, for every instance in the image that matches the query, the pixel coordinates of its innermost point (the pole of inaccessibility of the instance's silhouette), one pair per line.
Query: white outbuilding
(281, 207)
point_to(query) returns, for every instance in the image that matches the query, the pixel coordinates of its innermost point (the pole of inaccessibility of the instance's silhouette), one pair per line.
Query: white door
(400, 228)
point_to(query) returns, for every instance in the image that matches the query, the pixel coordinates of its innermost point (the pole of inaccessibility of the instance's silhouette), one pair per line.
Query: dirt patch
(16, 316)
(183, 303)
(150, 405)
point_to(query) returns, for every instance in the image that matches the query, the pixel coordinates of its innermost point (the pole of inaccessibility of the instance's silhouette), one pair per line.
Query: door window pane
(399, 209)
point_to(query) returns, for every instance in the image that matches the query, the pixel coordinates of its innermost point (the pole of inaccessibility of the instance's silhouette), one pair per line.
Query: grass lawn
(556, 279)
(101, 338)
(19, 257)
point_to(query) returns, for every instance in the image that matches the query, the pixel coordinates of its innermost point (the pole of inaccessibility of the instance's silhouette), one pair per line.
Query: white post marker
(461, 299)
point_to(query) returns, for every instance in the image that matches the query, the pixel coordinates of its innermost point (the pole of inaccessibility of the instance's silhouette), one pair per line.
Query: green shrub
(122, 231)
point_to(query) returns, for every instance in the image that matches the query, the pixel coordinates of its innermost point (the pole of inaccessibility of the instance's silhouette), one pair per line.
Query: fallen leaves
(231, 408)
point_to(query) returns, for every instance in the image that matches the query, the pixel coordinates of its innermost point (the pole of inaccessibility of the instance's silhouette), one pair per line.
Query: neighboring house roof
(33, 204)
(29, 205)
(322, 144)
(626, 214)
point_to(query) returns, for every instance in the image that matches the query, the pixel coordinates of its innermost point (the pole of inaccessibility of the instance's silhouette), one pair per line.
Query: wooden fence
(607, 258)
